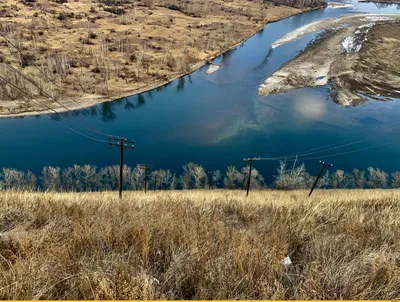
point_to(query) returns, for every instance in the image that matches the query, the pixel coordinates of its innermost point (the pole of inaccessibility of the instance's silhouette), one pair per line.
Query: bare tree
(13, 179)
(295, 177)
(51, 178)
(89, 177)
(396, 179)
(186, 178)
(215, 178)
(200, 177)
(30, 181)
(256, 181)
(67, 177)
(232, 176)
(341, 180)
(377, 178)
(359, 178)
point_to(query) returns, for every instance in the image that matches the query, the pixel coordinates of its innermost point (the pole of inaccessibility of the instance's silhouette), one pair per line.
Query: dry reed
(344, 244)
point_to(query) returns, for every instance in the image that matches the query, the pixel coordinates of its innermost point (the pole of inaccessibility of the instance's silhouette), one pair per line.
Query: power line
(51, 97)
(52, 81)
(325, 148)
(328, 149)
(349, 152)
(51, 109)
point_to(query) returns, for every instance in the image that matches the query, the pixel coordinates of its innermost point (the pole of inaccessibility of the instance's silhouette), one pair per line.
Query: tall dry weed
(200, 245)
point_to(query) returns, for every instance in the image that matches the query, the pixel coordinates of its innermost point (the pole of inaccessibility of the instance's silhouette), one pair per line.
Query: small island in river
(357, 54)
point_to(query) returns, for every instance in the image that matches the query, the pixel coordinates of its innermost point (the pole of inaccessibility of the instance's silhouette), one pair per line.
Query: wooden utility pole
(324, 165)
(251, 160)
(145, 167)
(122, 144)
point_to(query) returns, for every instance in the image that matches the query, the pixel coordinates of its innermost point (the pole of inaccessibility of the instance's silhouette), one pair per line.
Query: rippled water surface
(216, 120)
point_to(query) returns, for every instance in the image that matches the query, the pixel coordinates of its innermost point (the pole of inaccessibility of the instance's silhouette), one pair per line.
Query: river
(217, 119)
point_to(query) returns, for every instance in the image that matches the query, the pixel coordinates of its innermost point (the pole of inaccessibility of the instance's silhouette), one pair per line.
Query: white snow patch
(339, 5)
(376, 19)
(212, 68)
(296, 34)
(354, 42)
(335, 23)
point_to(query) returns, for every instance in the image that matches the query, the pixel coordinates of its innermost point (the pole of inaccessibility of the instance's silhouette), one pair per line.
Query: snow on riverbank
(354, 42)
(298, 33)
(339, 5)
(333, 23)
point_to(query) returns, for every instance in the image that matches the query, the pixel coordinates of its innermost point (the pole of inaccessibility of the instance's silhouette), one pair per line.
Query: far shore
(382, 1)
(92, 100)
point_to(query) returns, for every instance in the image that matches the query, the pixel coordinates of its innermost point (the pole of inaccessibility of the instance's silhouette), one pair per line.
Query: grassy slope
(200, 244)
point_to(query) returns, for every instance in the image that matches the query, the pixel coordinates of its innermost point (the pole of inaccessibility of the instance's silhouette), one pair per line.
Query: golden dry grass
(344, 244)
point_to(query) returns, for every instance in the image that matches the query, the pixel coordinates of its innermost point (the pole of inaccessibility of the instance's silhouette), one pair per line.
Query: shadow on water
(181, 84)
(107, 112)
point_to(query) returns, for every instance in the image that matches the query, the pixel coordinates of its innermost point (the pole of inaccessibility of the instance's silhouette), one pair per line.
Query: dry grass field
(344, 244)
(99, 50)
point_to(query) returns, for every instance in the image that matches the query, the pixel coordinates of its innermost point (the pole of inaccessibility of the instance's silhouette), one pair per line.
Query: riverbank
(162, 65)
(357, 55)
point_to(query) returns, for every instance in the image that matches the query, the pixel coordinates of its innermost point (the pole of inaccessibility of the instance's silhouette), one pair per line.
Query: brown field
(344, 244)
(96, 50)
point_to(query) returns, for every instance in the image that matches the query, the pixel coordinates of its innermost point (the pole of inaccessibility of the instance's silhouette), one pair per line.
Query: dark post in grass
(251, 160)
(145, 167)
(324, 165)
(121, 143)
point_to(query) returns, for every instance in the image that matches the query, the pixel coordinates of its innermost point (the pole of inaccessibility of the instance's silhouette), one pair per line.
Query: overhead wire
(53, 82)
(51, 97)
(334, 147)
(349, 152)
(50, 109)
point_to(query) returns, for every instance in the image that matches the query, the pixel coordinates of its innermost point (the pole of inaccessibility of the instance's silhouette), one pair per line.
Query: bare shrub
(51, 179)
(294, 177)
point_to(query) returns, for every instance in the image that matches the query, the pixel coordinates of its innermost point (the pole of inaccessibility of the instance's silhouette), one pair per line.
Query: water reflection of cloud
(310, 105)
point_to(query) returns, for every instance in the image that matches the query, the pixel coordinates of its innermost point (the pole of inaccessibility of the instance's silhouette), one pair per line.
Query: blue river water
(216, 120)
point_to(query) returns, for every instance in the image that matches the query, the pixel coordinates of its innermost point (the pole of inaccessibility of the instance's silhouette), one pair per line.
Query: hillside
(344, 244)
(100, 50)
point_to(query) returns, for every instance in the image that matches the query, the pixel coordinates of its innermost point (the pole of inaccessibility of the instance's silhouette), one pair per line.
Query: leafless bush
(377, 178)
(51, 179)
(294, 177)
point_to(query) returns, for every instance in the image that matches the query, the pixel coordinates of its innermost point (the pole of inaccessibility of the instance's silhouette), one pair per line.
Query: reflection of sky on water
(214, 120)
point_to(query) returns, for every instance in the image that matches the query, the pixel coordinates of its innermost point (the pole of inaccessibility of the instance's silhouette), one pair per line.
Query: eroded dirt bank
(358, 55)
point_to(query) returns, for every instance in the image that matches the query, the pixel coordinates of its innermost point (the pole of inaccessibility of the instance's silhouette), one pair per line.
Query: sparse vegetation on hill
(103, 49)
(344, 244)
